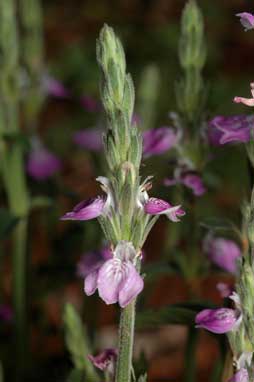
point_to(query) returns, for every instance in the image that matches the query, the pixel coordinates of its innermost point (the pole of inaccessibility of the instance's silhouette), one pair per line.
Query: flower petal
(86, 210)
(219, 321)
(131, 287)
(240, 376)
(156, 206)
(110, 277)
(90, 284)
(158, 141)
(90, 139)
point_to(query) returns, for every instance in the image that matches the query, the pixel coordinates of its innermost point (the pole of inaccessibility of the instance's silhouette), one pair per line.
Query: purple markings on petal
(42, 164)
(240, 376)
(219, 321)
(158, 141)
(247, 20)
(222, 252)
(105, 359)
(89, 103)
(156, 206)
(86, 210)
(90, 139)
(232, 128)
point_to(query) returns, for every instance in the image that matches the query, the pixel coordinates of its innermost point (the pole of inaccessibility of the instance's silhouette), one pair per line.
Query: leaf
(181, 314)
(77, 342)
(7, 222)
(218, 224)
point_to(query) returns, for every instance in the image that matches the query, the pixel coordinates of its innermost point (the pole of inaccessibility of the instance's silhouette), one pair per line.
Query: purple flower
(6, 313)
(246, 101)
(105, 360)
(87, 209)
(233, 128)
(54, 87)
(240, 376)
(222, 252)
(90, 139)
(117, 280)
(89, 103)
(224, 289)
(92, 261)
(41, 163)
(93, 207)
(158, 141)
(188, 179)
(156, 206)
(219, 321)
(247, 20)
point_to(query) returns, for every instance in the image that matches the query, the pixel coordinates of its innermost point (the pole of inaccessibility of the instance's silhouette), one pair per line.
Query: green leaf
(77, 342)
(181, 314)
(7, 222)
(76, 375)
(218, 224)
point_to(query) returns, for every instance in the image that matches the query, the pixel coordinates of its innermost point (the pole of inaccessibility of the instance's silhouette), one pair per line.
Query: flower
(93, 207)
(246, 101)
(224, 289)
(87, 209)
(222, 252)
(221, 320)
(247, 20)
(190, 180)
(155, 206)
(88, 139)
(117, 280)
(41, 163)
(89, 103)
(54, 87)
(158, 141)
(92, 261)
(229, 129)
(104, 360)
(240, 376)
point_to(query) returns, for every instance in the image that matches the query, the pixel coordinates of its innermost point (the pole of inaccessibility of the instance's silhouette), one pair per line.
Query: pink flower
(222, 252)
(218, 321)
(236, 128)
(54, 87)
(247, 20)
(105, 360)
(41, 163)
(246, 101)
(117, 280)
(156, 206)
(240, 376)
(90, 139)
(89, 103)
(189, 179)
(87, 209)
(92, 261)
(158, 141)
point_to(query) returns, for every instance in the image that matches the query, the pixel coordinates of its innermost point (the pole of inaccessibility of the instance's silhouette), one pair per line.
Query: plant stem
(125, 344)
(190, 363)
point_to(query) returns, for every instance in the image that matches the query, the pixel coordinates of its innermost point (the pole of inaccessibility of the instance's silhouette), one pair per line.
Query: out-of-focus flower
(224, 289)
(105, 360)
(229, 129)
(190, 180)
(54, 88)
(222, 252)
(89, 139)
(41, 163)
(92, 261)
(240, 376)
(89, 103)
(246, 101)
(218, 321)
(247, 20)
(117, 280)
(6, 313)
(156, 206)
(158, 141)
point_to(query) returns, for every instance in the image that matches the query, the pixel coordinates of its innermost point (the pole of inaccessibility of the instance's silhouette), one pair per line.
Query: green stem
(190, 363)
(19, 292)
(125, 344)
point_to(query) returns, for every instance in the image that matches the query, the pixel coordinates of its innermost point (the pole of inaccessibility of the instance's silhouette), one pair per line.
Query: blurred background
(150, 31)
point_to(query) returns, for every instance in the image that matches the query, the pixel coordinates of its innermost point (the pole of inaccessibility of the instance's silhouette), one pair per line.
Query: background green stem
(190, 359)
(125, 344)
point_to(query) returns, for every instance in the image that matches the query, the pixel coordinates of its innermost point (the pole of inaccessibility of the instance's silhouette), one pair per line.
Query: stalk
(12, 169)
(125, 343)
